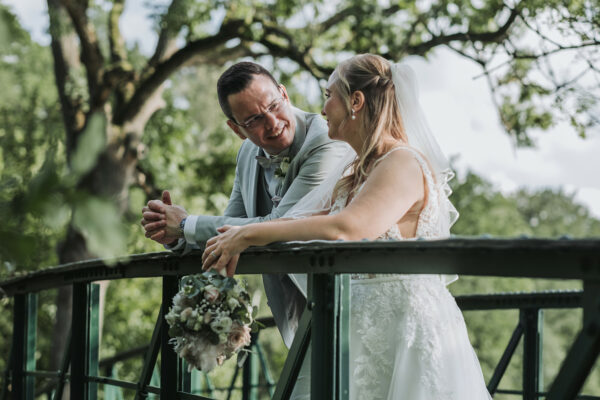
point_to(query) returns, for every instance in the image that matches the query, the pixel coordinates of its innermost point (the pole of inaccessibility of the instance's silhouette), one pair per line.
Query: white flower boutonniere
(282, 170)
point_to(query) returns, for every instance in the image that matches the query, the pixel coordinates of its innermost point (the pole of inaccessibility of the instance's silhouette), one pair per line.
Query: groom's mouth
(276, 134)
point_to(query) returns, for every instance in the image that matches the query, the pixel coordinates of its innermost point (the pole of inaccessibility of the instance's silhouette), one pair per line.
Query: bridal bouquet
(210, 320)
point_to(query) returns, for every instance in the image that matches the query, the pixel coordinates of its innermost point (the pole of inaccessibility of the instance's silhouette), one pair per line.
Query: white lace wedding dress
(408, 338)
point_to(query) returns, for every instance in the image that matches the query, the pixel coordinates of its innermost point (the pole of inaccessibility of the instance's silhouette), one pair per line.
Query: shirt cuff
(189, 229)
(179, 245)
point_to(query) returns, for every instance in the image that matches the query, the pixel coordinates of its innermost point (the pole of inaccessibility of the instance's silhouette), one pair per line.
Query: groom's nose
(270, 121)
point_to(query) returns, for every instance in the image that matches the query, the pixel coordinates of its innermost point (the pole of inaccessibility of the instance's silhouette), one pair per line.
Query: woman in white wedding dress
(408, 339)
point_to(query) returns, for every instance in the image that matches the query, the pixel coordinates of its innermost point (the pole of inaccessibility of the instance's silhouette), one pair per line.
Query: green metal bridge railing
(324, 323)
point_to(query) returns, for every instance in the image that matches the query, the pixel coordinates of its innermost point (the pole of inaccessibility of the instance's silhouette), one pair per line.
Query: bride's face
(335, 112)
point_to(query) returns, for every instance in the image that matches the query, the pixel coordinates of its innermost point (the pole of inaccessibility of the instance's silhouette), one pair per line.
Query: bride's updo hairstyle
(370, 74)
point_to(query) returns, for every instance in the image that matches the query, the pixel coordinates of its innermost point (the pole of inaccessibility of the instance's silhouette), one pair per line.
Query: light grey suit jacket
(312, 155)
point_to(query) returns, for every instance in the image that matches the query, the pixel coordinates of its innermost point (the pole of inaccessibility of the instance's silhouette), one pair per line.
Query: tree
(108, 93)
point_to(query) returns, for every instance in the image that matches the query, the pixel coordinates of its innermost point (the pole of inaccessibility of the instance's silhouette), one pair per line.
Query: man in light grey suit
(287, 154)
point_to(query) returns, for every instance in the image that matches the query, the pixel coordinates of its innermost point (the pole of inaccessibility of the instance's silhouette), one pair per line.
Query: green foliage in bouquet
(211, 319)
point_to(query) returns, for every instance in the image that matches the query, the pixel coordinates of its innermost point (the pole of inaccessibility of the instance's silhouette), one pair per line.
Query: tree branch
(161, 73)
(117, 45)
(166, 37)
(337, 18)
(90, 48)
(145, 180)
(64, 51)
(485, 37)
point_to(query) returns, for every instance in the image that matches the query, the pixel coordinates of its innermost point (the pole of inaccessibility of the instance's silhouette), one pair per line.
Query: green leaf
(100, 223)
(89, 146)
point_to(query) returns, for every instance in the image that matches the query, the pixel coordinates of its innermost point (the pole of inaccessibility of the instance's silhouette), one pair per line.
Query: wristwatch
(181, 226)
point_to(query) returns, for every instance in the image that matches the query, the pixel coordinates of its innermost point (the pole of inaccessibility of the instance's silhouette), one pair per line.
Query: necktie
(268, 162)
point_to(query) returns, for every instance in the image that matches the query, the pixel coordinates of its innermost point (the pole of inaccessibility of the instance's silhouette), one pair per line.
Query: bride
(408, 339)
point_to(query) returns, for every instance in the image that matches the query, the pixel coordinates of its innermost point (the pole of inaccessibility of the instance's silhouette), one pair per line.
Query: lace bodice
(428, 226)
(407, 336)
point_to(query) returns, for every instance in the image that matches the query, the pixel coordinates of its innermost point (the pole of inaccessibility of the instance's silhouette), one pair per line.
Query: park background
(516, 111)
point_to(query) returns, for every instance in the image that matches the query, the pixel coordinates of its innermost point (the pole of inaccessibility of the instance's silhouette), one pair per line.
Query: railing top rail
(535, 258)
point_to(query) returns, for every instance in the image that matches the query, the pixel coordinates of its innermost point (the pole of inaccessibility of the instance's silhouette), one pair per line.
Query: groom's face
(263, 114)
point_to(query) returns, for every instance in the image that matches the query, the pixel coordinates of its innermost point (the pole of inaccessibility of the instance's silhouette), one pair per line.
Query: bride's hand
(222, 252)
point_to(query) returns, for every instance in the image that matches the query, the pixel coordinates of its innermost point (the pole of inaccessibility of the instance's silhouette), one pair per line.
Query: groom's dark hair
(237, 78)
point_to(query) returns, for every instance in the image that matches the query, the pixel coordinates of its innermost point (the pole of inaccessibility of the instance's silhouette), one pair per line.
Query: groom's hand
(161, 220)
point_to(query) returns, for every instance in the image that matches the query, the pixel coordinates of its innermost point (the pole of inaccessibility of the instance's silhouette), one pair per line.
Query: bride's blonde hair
(370, 74)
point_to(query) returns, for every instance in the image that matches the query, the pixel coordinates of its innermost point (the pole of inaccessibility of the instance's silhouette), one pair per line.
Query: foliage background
(189, 150)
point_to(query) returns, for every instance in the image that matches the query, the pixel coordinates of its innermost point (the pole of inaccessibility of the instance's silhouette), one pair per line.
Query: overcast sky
(459, 109)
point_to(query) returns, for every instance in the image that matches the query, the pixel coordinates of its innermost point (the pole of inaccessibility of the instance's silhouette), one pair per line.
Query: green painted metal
(265, 368)
(155, 381)
(18, 346)
(324, 297)
(343, 361)
(30, 343)
(295, 356)
(571, 259)
(93, 338)
(64, 366)
(196, 382)
(250, 373)
(533, 322)
(591, 291)
(186, 377)
(232, 384)
(582, 356)
(84, 341)
(169, 365)
(150, 357)
(210, 388)
(112, 392)
(534, 258)
(78, 342)
(505, 359)
(254, 366)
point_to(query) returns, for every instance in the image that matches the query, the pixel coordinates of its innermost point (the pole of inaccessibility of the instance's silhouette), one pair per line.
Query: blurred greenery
(189, 150)
(549, 213)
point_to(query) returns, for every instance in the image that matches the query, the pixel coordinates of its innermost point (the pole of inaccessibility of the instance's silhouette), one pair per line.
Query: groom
(287, 154)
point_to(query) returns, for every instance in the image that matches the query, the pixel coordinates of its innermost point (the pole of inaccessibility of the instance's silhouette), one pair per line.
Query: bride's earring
(353, 115)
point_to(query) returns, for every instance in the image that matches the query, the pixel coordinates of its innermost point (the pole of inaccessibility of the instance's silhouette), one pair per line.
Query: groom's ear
(284, 91)
(236, 129)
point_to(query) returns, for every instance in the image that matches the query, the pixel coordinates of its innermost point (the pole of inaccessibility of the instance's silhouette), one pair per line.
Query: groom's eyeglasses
(257, 121)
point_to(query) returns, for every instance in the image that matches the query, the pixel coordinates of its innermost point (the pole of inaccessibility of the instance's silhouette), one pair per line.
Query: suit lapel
(253, 183)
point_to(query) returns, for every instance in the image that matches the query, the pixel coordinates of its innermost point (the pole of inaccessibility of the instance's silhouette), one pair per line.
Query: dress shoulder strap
(416, 153)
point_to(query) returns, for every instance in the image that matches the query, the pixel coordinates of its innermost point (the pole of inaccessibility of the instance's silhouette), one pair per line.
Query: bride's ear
(357, 100)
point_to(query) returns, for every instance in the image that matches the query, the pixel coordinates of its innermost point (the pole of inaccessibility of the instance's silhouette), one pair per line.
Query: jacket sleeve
(311, 173)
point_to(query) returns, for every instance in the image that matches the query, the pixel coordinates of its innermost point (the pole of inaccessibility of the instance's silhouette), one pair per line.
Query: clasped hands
(161, 220)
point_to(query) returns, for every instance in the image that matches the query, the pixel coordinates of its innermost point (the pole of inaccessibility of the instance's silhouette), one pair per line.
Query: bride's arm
(392, 188)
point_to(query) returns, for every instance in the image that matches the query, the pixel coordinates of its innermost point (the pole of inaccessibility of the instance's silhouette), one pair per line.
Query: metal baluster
(18, 346)
(583, 354)
(93, 338)
(323, 337)
(30, 344)
(79, 339)
(296, 355)
(169, 365)
(150, 357)
(250, 377)
(344, 337)
(265, 369)
(532, 319)
(505, 359)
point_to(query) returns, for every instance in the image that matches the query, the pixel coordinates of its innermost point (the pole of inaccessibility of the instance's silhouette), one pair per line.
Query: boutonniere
(282, 170)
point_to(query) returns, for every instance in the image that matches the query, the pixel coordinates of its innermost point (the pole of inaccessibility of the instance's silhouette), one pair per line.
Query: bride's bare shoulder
(401, 160)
